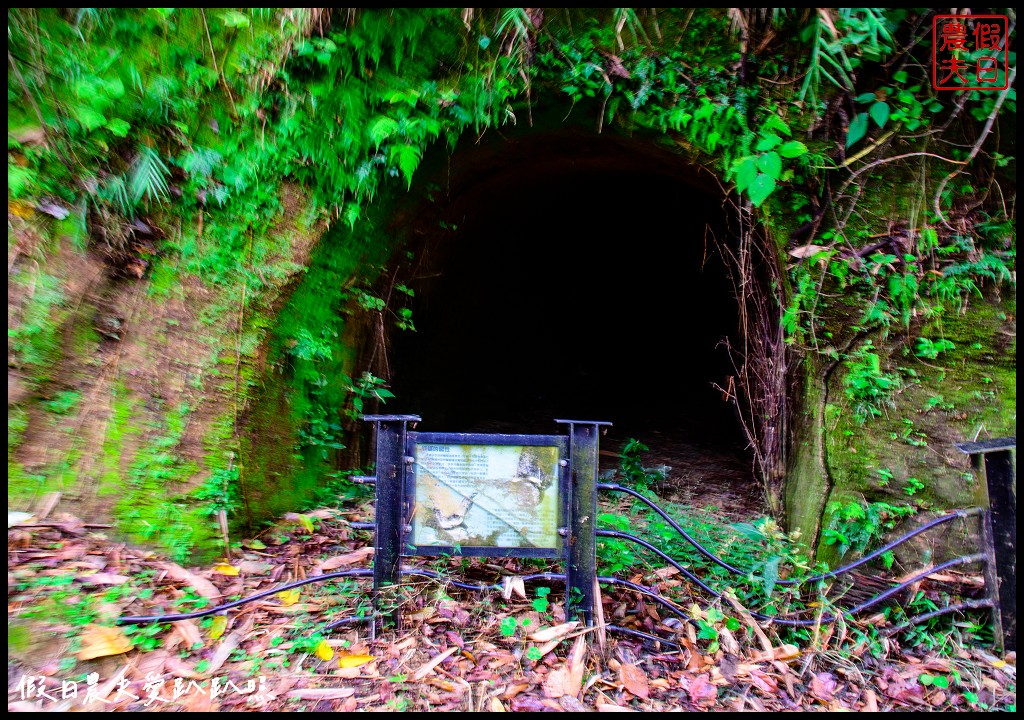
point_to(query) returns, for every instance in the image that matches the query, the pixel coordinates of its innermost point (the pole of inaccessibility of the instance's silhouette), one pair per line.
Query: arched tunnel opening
(578, 277)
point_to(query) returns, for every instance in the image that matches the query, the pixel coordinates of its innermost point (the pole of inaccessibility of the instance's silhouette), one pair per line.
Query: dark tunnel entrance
(584, 284)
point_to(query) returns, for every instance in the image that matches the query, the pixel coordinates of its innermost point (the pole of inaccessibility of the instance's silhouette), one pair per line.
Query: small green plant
(884, 476)
(914, 486)
(854, 525)
(931, 349)
(63, 402)
(866, 385)
(508, 626)
(541, 603)
(632, 468)
(146, 637)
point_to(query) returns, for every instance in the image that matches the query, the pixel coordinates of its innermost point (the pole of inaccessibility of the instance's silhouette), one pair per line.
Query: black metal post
(391, 512)
(581, 548)
(999, 533)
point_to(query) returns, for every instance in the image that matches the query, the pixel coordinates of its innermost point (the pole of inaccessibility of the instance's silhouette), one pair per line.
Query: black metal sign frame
(395, 499)
(416, 439)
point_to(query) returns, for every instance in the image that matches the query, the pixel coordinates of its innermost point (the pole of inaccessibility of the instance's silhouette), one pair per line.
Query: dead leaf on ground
(427, 667)
(513, 584)
(806, 251)
(201, 585)
(322, 693)
(634, 679)
(701, 691)
(289, 597)
(225, 569)
(100, 641)
(556, 682)
(356, 556)
(353, 660)
(103, 578)
(224, 651)
(823, 686)
(218, 626)
(554, 632)
(188, 631)
(324, 651)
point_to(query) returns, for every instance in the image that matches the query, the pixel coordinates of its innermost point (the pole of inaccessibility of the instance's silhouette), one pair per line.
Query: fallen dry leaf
(188, 631)
(554, 632)
(513, 584)
(353, 660)
(428, 666)
(823, 686)
(556, 681)
(102, 578)
(351, 558)
(289, 597)
(496, 705)
(218, 626)
(634, 679)
(575, 663)
(806, 251)
(100, 641)
(324, 651)
(201, 585)
(870, 701)
(321, 693)
(225, 569)
(701, 691)
(224, 650)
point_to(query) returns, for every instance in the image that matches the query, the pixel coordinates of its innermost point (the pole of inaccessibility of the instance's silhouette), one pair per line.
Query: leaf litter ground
(457, 650)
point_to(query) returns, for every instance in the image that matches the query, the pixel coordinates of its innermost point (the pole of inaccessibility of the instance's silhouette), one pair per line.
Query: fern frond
(148, 176)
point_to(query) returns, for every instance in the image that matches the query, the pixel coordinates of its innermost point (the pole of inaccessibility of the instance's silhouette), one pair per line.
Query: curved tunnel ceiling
(581, 280)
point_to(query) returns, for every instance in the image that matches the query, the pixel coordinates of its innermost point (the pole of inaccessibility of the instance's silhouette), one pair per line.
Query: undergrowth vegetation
(765, 554)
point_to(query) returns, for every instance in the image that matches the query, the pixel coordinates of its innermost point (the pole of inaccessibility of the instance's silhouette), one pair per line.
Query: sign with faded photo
(486, 495)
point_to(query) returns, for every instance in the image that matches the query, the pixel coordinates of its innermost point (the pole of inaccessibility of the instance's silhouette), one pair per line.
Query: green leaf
(235, 19)
(858, 128)
(880, 113)
(770, 164)
(119, 127)
(89, 117)
(381, 129)
(761, 188)
(865, 97)
(746, 171)
(407, 157)
(767, 142)
(792, 149)
(771, 575)
(899, 76)
(707, 632)
(774, 122)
